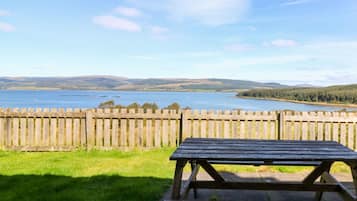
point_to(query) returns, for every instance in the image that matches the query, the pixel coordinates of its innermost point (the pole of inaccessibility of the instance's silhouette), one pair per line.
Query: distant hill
(122, 83)
(341, 94)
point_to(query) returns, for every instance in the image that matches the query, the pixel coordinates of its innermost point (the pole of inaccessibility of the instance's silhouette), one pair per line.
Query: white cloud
(294, 2)
(212, 12)
(4, 13)
(128, 12)
(282, 43)
(117, 23)
(6, 27)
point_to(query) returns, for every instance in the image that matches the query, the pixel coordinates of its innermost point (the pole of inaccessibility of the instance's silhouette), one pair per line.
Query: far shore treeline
(342, 94)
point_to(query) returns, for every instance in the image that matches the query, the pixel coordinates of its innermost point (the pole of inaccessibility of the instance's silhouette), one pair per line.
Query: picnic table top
(262, 150)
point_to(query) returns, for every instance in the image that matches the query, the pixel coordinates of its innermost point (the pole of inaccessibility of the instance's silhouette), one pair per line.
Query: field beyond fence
(70, 129)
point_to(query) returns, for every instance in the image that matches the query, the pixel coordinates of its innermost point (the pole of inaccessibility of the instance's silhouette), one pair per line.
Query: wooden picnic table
(203, 152)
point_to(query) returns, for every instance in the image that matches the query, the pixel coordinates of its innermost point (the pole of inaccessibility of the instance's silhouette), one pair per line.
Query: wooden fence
(60, 130)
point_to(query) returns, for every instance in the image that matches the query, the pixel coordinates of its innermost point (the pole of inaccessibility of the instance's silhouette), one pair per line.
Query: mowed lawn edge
(98, 175)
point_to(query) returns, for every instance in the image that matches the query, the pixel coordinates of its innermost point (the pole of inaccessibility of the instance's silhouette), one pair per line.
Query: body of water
(194, 100)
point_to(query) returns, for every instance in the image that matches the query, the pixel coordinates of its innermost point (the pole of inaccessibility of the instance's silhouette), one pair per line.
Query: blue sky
(287, 41)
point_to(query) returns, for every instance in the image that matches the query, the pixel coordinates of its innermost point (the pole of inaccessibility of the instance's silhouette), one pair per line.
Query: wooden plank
(173, 131)
(165, 131)
(115, 131)
(226, 126)
(76, 130)
(99, 130)
(176, 186)
(15, 129)
(90, 135)
(23, 129)
(132, 133)
(210, 170)
(157, 130)
(83, 130)
(195, 125)
(320, 127)
(344, 192)
(30, 129)
(123, 129)
(297, 130)
(148, 131)
(45, 130)
(273, 128)
(106, 130)
(69, 127)
(335, 130)
(53, 129)
(187, 124)
(312, 131)
(211, 126)
(38, 129)
(242, 128)
(311, 178)
(140, 133)
(203, 125)
(350, 135)
(343, 131)
(264, 128)
(218, 123)
(328, 130)
(281, 124)
(250, 125)
(235, 124)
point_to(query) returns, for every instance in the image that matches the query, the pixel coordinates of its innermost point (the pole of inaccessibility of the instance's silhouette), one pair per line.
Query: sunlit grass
(99, 175)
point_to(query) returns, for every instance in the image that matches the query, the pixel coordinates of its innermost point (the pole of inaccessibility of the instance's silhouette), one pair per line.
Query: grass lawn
(96, 175)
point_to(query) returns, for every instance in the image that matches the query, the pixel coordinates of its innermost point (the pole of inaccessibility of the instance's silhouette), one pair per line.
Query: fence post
(89, 129)
(280, 124)
(181, 126)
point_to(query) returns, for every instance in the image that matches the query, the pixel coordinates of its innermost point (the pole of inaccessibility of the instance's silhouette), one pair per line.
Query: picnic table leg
(176, 187)
(318, 195)
(193, 166)
(353, 167)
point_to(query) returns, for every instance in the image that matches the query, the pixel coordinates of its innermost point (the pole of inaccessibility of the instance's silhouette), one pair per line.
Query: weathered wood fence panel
(68, 129)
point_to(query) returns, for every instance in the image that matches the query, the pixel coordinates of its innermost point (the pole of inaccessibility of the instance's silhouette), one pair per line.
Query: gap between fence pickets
(114, 128)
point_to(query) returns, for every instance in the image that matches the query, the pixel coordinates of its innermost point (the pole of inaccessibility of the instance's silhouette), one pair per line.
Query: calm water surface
(195, 100)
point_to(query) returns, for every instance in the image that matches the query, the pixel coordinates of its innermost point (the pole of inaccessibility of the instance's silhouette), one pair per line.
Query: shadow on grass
(95, 188)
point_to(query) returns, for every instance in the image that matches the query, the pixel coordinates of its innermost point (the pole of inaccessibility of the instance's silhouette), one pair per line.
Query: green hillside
(122, 83)
(345, 94)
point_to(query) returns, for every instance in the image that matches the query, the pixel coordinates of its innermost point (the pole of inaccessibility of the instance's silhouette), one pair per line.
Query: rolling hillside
(122, 83)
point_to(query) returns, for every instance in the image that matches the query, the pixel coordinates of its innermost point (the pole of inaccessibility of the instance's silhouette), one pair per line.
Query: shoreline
(302, 102)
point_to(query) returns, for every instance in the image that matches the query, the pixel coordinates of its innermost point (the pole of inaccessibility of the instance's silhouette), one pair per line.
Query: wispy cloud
(294, 2)
(128, 12)
(112, 22)
(4, 13)
(213, 12)
(281, 43)
(6, 27)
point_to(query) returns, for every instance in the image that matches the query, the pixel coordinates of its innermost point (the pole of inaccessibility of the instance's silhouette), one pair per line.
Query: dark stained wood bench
(203, 152)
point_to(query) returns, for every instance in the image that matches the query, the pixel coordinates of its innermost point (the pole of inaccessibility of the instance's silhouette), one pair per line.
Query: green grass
(97, 175)
(87, 176)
